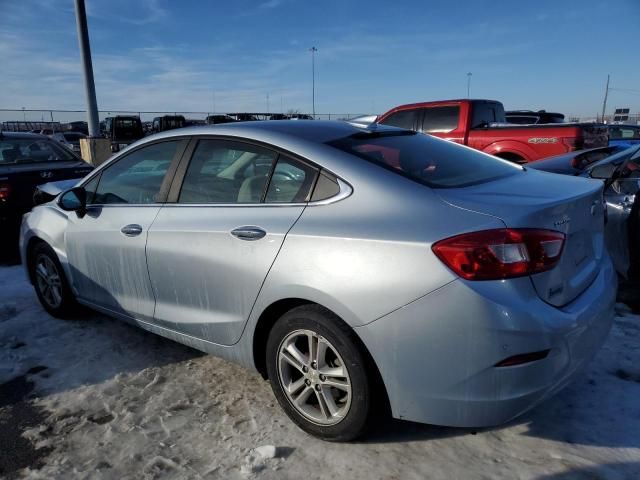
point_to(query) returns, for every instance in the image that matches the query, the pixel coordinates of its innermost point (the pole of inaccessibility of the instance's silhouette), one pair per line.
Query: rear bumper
(437, 355)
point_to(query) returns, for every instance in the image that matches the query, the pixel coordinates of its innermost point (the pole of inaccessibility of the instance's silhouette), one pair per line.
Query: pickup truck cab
(481, 124)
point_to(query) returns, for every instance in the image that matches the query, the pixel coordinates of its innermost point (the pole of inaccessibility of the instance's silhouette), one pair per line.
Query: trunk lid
(535, 199)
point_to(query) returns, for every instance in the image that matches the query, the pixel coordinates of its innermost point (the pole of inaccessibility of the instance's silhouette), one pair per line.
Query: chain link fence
(25, 120)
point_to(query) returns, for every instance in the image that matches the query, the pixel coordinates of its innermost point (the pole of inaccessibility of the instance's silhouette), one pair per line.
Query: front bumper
(437, 355)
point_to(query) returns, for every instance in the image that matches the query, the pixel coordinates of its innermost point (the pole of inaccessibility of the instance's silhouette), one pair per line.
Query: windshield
(27, 150)
(426, 159)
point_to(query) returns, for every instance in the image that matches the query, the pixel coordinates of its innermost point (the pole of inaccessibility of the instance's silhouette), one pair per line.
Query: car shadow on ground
(631, 470)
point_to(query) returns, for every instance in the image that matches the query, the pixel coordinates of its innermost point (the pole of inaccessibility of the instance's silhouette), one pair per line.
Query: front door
(211, 250)
(106, 246)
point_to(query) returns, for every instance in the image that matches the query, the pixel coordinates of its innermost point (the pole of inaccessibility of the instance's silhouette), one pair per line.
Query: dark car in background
(167, 122)
(71, 140)
(122, 130)
(26, 161)
(216, 119)
(619, 168)
(529, 117)
(624, 135)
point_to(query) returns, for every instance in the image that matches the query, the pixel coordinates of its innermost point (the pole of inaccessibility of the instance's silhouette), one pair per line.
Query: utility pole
(604, 103)
(87, 67)
(313, 51)
(214, 101)
(267, 103)
(468, 83)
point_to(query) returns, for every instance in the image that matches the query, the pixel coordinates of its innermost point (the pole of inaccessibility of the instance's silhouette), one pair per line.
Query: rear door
(106, 246)
(210, 249)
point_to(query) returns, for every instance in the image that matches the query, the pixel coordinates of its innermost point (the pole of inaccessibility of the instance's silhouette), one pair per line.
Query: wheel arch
(274, 311)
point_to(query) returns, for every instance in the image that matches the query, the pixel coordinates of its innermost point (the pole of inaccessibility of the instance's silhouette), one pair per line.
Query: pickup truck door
(443, 121)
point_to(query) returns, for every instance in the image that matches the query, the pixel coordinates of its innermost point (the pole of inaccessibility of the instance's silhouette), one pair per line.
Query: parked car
(82, 127)
(122, 130)
(27, 160)
(529, 117)
(480, 124)
(167, 122)
(216, 119)
(624, 135)
(351, 266)
(620, 169)
(71, 140)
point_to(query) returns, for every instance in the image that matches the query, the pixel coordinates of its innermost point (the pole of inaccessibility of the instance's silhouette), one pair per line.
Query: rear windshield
(425, 159)
(27, 150)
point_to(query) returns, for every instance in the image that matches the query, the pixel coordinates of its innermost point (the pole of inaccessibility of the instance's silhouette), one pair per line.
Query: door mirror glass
(603, 172)
(73, 200)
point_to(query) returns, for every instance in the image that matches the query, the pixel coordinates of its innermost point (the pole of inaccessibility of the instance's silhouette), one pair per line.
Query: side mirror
(604, 172)
(74, 200)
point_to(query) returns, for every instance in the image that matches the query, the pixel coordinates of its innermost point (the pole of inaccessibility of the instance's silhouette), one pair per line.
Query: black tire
(343, 340)
(67, 307)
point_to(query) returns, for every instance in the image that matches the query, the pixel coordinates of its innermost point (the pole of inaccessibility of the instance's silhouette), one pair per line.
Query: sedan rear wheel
(318, 373)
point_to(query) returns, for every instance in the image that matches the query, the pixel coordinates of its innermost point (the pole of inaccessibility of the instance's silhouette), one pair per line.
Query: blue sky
(372, 55)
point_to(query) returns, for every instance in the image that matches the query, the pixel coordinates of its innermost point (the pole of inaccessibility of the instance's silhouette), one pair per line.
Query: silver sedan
(355, 267)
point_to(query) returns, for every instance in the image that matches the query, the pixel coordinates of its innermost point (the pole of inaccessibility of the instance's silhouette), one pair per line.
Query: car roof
(281, 131)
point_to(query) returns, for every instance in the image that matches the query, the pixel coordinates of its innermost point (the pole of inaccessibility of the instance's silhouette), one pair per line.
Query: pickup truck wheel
(50, 282)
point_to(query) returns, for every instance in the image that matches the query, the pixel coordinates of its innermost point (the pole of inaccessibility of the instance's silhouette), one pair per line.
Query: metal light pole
(604, 103)
(468, 83)
(313, 51)
(87, 67)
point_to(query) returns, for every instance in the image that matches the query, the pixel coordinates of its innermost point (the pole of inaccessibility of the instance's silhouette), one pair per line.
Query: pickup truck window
(440, 119)
(485, 113)
(402, 119)
(425, 159)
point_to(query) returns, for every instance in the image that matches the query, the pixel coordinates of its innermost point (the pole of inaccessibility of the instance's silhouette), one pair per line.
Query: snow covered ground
(106, 400)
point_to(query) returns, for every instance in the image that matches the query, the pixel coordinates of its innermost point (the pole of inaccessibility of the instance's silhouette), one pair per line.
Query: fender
(512, 146)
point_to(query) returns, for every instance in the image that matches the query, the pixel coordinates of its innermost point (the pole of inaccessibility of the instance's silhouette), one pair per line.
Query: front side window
(137, 177)
(32, 150)
(402, 119)
(291, 181)
(440, 119)
(425, 159)
(227, 172)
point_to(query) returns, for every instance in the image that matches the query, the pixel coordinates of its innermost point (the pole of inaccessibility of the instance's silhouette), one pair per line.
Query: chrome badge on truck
(543, 140)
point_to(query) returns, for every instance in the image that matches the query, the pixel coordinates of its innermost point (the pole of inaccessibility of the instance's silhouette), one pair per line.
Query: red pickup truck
(481, 124)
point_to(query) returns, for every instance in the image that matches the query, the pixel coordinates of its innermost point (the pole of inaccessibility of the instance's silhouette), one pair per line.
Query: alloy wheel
(49, 281)
(314, 377)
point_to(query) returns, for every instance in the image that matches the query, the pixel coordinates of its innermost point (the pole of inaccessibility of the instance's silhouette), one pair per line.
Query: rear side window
(227, 172)
(326, 187)
(425, 159)
(291, 181)
(402, 119)
(440, 119)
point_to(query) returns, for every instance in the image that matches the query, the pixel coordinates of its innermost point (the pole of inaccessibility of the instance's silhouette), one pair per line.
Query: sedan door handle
(248, 233)
(132, 230)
